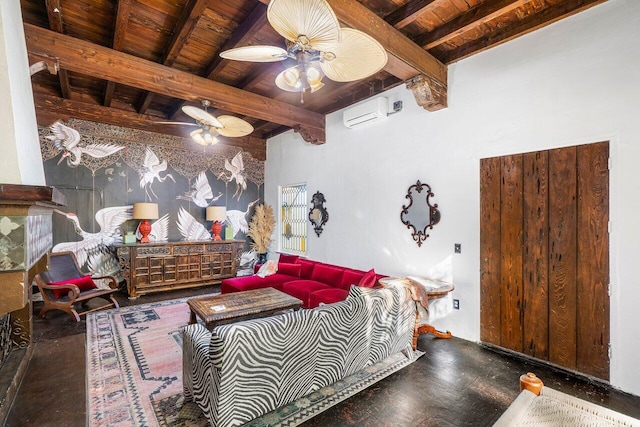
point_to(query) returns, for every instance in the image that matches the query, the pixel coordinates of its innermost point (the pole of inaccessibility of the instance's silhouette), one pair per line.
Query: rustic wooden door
(544, 255)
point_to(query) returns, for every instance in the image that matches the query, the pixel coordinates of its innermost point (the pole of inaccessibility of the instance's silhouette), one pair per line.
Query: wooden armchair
(63, 266)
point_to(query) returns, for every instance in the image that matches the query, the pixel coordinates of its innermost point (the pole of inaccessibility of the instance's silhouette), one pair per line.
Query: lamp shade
(216, 213)
(145, 211)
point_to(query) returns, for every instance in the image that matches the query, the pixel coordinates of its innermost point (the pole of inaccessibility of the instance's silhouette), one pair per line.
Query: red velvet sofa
(312, 282)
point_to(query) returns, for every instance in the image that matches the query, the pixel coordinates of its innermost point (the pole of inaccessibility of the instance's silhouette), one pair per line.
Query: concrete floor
(456, 383)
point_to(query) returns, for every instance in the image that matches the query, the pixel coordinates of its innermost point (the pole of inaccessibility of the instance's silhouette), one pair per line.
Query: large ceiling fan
(209, 126)
(318, 44)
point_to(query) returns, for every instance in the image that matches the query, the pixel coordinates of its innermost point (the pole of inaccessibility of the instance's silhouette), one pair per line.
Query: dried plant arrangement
(261, 227)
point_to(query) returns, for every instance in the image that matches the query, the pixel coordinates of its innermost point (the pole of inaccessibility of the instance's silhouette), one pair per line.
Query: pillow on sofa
(327, 274)
(368, 280)
(268, 268)
(84, 283)
(307, 268)
(288, 259)
(289, 269)
(351, 277)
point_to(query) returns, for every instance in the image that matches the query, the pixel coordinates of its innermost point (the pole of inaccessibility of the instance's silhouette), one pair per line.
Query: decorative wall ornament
(67, 140)
(318, 214)
(201, 194)
(236, 170)
(178, 152)
(190, 228)
(12, 243)
(238, 219)
(96, 246)
(151, 170)
(422, 215)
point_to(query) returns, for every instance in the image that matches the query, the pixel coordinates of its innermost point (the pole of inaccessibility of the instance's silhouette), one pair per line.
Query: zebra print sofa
(244, 370)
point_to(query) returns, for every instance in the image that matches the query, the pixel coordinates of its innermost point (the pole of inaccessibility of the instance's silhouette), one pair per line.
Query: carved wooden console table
(164, 266)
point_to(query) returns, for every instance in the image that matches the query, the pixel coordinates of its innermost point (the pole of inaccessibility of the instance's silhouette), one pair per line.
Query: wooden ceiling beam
(50, 108)
(97, 61)
(252, 23)
(409, 12)
(54, 13)
(256, 19)
(185, 26)
(519, 28)
(467, 21)
(122, 18)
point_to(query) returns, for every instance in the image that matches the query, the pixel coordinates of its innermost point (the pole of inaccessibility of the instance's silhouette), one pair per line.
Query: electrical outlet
(457, 248)
(456, 304)
(397, 106)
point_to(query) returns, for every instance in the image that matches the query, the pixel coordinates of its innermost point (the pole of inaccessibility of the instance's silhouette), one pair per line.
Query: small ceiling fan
(209, 127)
(318, 44)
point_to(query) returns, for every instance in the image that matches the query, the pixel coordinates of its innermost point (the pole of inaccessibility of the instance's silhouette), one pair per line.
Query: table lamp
(217, 214)
(145, 212)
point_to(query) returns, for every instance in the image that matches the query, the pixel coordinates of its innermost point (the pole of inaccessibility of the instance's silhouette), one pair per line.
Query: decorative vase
(262, 258)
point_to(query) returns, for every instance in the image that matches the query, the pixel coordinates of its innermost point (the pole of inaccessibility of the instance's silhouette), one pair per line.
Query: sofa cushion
(327, 274)
(327, 296)
(350, 277)
(302, 289)
(84, 283)
(288, 259)
(247, 283)
(289, 269)
(307, 268)
(369, 279)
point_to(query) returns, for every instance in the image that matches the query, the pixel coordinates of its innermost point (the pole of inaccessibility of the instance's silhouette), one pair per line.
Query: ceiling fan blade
(176, 123)
(258, 53)
(357, 56)
(313, 19)
(201, 116)
(234, 127)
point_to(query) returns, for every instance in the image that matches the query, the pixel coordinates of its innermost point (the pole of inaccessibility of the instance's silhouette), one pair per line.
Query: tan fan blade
(255, 54)
(201, 116)
(234, 127)
(357, 56)
(313, 19)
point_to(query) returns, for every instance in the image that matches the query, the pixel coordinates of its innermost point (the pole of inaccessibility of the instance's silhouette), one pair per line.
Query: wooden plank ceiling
(135, 62)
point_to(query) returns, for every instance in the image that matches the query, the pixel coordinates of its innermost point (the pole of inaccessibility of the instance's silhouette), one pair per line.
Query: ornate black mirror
(318, 214)
(420, 215)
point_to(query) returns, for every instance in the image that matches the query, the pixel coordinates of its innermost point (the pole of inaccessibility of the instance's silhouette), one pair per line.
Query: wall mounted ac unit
(367, 112)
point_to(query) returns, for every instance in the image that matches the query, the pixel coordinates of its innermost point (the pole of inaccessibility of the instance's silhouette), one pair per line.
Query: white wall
(574, 82)
(21, 162)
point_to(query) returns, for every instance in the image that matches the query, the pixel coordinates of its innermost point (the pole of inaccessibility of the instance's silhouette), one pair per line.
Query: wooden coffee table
(227, 308)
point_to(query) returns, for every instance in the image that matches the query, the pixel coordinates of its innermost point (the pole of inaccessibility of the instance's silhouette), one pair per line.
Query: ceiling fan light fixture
(204, 137)
(291, 76)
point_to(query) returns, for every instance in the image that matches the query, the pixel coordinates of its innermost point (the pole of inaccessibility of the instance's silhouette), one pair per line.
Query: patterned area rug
(134, 357)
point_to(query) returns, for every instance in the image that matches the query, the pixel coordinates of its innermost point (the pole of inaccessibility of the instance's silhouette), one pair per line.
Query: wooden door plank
(562, 257)
(593, 260)
(535, 262)
(511, 252)
(490, 250)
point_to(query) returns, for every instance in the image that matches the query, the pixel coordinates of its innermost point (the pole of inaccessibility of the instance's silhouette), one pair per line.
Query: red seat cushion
(327, 296)
(84, 283)
(301, 289)
(368, 280)
(248, 283)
